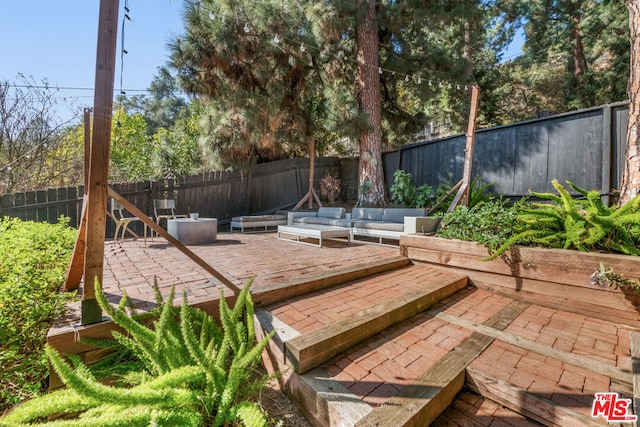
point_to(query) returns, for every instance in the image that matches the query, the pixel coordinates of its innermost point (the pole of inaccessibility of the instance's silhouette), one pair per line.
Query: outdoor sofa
(378, 223)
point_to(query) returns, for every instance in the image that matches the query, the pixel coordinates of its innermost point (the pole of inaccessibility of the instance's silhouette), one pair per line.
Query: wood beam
(175, 242)
(462, 197)
(76, 267)
(311, 194)
(99, 158)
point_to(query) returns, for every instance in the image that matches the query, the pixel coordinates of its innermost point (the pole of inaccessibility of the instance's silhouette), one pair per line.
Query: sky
(56, 41)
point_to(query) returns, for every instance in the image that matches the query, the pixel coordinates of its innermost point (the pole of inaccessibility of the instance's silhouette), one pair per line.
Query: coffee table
(189, 231)
(312, 231)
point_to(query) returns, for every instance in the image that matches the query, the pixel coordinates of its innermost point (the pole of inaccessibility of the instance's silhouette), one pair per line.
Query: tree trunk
(631, 174)
(371, 191)
(579, 60)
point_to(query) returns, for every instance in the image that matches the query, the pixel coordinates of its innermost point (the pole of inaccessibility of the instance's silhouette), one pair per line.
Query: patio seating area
(367, 337)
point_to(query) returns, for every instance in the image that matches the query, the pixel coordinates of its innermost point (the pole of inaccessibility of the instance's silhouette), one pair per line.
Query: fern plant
(585, 225)
(193, 373)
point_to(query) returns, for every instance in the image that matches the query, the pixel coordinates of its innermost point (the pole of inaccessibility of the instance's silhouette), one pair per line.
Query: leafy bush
(193, 372)
(585, 225)
(404, 193)
(34, 257)
(488, 223)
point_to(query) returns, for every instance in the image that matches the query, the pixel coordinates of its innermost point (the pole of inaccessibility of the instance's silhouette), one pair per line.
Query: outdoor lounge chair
(119, 216)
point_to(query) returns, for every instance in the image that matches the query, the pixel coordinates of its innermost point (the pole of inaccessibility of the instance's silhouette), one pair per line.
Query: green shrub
(488, 223)
(192, 372)
(34, 257)
(585, 225)
(404, 193)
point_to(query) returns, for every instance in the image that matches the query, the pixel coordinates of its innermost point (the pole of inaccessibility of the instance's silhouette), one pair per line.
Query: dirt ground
(280, 410)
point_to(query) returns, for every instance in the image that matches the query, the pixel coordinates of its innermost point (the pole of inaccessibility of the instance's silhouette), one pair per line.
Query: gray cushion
(398, 214)
(370, 214)
(331, 212)
(258, 218)
(320, 220)
(377, 225)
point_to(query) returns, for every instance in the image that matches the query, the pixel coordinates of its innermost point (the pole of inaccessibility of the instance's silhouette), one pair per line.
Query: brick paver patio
(385, 363)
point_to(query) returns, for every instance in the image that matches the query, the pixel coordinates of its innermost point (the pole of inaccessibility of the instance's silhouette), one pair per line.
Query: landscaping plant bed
(555, 278)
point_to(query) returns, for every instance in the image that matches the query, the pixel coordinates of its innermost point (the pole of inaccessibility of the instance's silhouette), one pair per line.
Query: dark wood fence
(586, 147)
(264, 188)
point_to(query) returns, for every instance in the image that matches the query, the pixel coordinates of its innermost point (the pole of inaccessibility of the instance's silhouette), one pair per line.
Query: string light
(212, 15)
(302, 48)
(276, 39)
(246, 28)
(123, 51)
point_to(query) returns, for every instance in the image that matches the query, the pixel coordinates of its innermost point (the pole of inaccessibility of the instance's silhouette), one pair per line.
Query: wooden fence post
(605, 188)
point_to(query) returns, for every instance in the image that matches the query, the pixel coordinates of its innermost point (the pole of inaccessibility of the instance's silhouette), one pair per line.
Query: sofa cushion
(322, 221)
(378, 225)
(398, 214)
(327, 212)
(368, 214)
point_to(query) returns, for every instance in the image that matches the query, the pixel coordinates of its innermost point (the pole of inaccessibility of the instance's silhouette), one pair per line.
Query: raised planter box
(551, 277)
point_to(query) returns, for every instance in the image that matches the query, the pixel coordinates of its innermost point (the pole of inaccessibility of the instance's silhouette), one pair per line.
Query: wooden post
(311, 194)
(76, 266)
(605, 186)
(462, 197)
(87, 148)
(99, 158)
(312, 162)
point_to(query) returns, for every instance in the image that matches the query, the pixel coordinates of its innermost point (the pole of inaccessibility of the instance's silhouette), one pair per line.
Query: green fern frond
(242, 297)
(250, 414)
(577, 189)
(132, 396)
(525, 236)
(192, 343)
(632, 206)
(141, 333)
(550, 196)
(65, 401)
(596, 203)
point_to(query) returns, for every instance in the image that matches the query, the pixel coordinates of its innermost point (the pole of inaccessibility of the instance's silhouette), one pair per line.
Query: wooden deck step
(542, 366)
(281, 291)
(316, 347)
(331, 320)
(530, 405)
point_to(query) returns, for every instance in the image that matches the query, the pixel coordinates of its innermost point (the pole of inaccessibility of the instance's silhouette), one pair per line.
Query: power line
(18, 86)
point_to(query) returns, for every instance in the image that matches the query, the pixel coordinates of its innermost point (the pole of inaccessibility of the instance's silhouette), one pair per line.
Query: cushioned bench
(258, 223)
(323, 216)
(378, 223)
(390, 223)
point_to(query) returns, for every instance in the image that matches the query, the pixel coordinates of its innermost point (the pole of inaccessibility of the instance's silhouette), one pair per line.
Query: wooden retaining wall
(553, 278)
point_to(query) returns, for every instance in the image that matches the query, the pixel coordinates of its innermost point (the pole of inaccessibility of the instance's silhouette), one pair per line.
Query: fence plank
(31, 198)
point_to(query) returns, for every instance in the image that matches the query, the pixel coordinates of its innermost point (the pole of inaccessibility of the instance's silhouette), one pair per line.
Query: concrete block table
(189, 231)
